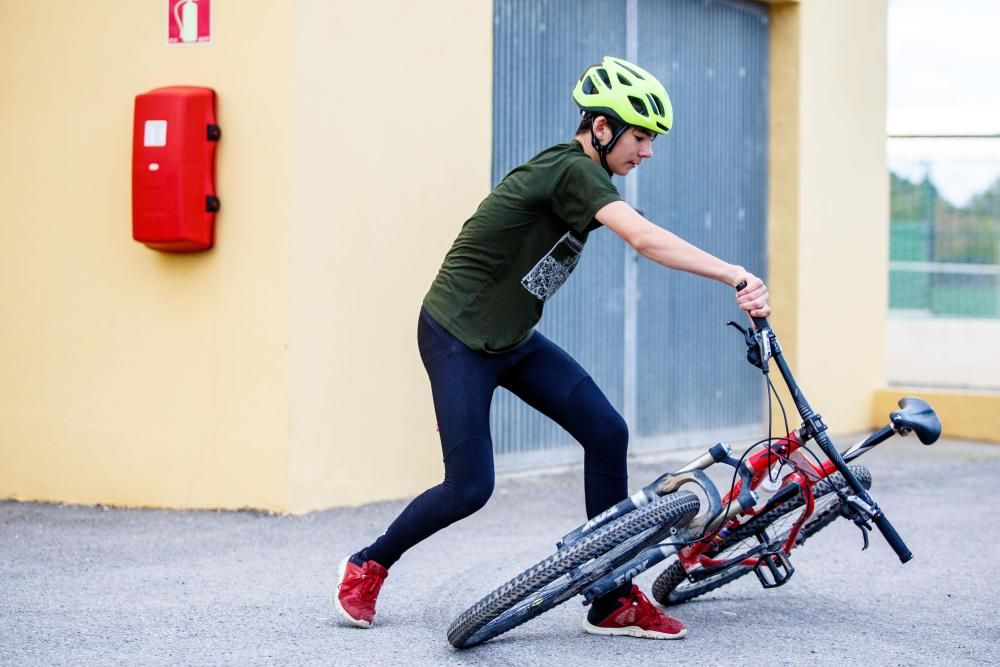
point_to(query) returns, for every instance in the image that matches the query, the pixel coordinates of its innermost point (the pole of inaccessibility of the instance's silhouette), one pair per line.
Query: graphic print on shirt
(552, 270)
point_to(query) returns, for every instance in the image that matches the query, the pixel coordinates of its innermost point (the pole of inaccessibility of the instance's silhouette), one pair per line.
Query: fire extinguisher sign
(189, 21)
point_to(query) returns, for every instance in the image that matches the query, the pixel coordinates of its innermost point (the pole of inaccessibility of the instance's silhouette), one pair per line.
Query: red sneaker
(638, 617)
(357, 591)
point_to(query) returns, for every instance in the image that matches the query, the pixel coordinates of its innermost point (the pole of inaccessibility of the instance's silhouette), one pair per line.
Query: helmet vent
(623, 80)
(603, 73)
(639, 106)
(625, 66)
(588, 86)
(656, 103)
(662, 127)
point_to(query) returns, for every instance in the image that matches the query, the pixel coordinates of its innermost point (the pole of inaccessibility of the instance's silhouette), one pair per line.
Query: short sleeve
(581, 190)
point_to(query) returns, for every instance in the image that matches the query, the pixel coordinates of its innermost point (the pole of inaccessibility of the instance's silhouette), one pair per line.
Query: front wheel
(673, 587)
(570, 569)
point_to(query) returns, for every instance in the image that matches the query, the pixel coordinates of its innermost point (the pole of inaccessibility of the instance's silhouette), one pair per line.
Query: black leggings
(462, 384)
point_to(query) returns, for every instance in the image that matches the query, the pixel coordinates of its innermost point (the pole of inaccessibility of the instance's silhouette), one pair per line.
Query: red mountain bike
(716, 538)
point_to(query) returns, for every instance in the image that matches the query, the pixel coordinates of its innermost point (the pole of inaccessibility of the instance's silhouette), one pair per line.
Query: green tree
(987, 202)
(910, 200)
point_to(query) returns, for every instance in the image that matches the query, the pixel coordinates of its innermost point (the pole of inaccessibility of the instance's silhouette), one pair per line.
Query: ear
(602, 129)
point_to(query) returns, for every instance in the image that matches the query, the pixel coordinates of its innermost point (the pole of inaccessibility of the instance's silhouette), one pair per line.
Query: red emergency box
(173, 169)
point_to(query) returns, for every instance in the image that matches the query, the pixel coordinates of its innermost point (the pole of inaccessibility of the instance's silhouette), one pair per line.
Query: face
(634, 146)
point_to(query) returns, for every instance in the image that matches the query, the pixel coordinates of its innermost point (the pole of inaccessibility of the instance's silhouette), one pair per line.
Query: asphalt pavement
(90, 585)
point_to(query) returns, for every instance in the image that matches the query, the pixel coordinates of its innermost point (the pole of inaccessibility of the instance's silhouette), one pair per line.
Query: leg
(462, 384)
(553, 383)
(549, 380)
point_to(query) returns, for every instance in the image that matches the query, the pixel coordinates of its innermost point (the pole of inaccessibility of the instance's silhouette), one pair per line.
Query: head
(622, 104)
(631, 144)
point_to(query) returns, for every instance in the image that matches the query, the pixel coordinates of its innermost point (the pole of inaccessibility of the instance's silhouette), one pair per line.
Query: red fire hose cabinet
(173, 169)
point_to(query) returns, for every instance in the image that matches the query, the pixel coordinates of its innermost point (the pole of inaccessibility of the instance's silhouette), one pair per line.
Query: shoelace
(371, 583)
(644, 609)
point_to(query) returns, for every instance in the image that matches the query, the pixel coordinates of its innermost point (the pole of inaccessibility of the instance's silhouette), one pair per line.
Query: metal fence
(944, 243)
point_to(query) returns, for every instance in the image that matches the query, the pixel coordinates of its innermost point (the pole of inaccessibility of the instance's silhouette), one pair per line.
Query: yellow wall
(245, 375)
(384, 176)
(130, 376)
(265, 372)
(783, 181)
(829, 201)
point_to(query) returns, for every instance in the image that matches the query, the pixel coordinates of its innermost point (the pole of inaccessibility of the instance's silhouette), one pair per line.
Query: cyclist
(476, 330)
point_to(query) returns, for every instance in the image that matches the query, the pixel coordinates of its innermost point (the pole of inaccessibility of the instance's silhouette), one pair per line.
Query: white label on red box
(155, 133)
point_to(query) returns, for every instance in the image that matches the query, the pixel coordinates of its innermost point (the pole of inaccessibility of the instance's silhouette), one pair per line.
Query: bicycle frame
(804, 476)
(690, 543)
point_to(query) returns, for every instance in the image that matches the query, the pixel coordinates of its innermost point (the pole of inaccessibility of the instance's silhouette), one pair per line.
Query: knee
(469, 475)
(606, 447)
(599, 428)
(608, 436)
(470, 494)
(618, 431)
(614, 439)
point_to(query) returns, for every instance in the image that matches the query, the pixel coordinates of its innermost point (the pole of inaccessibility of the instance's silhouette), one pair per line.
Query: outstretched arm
(672, 251)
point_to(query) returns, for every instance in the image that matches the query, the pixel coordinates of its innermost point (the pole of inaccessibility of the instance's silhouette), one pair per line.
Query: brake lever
(865, 528)
(747, 335)
(859, 512)
(754, 355)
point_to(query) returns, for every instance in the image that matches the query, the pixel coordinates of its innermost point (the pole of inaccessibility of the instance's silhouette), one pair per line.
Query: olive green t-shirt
(518, 248)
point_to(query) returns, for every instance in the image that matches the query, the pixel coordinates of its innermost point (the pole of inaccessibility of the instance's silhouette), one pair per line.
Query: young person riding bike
(476, 330)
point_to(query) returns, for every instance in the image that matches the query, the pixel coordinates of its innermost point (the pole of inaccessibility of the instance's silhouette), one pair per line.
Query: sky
(944, 78)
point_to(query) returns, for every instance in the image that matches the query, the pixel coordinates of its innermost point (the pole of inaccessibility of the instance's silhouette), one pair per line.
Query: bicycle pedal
(773, 569)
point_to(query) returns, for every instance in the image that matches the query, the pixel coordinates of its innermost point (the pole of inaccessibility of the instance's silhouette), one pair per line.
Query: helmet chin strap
(604, 149)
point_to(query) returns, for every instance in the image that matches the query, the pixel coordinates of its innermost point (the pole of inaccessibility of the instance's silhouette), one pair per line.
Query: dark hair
(587, 119)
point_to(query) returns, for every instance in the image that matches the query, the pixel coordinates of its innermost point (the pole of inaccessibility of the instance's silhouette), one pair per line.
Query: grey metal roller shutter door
(652, 339)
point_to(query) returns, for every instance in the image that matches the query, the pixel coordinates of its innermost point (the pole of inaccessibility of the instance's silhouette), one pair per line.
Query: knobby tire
(512, 604)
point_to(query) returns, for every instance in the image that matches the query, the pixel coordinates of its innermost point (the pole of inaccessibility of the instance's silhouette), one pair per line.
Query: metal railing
(944, 244)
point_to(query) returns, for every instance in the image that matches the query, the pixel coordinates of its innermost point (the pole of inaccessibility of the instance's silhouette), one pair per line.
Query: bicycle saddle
(918, 416)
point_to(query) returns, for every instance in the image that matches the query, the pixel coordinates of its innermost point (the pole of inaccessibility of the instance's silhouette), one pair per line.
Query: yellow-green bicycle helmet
(627, 93)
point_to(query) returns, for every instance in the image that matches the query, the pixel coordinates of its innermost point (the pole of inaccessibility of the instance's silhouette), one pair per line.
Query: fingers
(754, 298)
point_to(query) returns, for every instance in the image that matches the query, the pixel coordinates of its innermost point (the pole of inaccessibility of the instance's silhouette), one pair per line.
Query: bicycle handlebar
(759, 323)
(893, 538)
(880, 520)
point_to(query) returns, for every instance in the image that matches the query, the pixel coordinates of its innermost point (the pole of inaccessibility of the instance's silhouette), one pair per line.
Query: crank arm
(705, 572)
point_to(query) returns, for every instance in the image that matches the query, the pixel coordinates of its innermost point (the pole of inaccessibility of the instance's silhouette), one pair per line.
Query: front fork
(677, 537)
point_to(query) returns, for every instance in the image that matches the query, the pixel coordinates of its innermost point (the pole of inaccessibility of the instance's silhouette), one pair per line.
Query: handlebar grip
(759, 323)
(893, 538)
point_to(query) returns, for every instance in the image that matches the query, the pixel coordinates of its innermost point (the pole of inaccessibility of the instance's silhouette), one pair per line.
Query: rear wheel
(673, 586)
(568, 571)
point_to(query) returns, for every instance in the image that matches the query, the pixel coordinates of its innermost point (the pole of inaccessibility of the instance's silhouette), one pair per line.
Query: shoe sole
(356, 622)
(630, 631)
